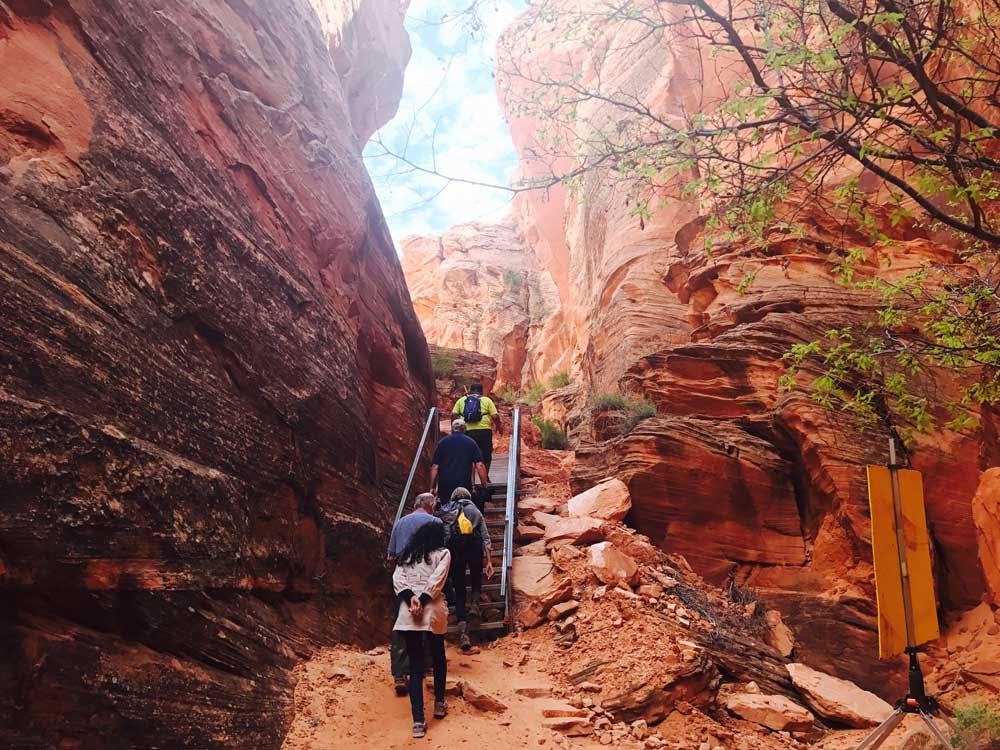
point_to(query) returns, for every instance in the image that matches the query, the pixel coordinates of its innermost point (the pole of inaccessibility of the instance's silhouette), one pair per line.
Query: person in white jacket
(419, 579)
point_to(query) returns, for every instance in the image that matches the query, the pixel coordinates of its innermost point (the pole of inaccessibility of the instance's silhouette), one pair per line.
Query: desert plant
(635, 409)
(978, 726)
(513, 279)
(443, 363)
(534, 393)
(507, 393)
(553, 436)
(558, 380)
(638, 410)
(609, 402)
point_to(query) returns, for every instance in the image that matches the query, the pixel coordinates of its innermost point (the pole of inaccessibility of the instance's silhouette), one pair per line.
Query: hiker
(480, 415)
(419, 578)
(402, 533)
(455, 458)
(468, 540)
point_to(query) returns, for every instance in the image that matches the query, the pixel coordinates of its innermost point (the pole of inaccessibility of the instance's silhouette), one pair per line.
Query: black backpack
(473, 410)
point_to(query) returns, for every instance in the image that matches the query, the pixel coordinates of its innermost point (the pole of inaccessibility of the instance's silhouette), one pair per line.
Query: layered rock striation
(211, 376)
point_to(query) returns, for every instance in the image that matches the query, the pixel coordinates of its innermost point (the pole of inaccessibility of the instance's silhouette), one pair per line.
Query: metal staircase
(501, 518)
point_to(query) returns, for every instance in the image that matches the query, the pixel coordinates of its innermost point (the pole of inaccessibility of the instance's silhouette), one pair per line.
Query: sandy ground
(344, 699)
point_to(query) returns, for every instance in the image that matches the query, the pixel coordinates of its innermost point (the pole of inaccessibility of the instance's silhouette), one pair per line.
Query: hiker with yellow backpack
(468, 540)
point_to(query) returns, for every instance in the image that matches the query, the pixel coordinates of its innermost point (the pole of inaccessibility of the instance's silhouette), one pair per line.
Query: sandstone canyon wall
(211, 377)
(749, 482)
(478, 287)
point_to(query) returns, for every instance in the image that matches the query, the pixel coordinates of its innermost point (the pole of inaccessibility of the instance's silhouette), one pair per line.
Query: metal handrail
(513, 473)
(432, 424)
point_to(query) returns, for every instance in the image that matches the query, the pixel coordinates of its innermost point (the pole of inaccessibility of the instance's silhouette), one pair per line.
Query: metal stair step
(499, 625)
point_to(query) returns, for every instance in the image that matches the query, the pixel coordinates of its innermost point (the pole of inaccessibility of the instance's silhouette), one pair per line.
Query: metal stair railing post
(513, 473)
(430, 428)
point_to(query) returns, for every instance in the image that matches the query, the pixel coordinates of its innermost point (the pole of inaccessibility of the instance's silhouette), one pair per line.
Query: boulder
(544, 519)
(610, 565)
(529, 505)
(563, 608)
(609, 501)
(772, 711)
(836, 699)
(526, 533)
(778, 635)
(537, 586)
(582, 530)
(986, 516)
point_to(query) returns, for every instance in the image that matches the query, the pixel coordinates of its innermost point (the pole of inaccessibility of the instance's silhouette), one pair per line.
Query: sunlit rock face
(211, 377)
(477, 287)
(745, 479)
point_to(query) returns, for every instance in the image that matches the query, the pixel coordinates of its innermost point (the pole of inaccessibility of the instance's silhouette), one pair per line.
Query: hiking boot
(463, 636)
(401, 687)
(419, 729)
(440, 709)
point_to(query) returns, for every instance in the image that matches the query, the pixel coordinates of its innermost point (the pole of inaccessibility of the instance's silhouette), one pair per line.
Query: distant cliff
(211, 377)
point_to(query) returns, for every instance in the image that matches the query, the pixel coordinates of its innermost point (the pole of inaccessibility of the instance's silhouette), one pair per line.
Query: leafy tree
(854, 107)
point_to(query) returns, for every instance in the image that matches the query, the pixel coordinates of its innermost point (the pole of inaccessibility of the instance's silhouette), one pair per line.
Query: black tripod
(916, 702)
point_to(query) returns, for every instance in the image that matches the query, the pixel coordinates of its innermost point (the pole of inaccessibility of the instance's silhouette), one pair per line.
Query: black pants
(415, 651)
(484, 439)
(445, 490)
(466, 555)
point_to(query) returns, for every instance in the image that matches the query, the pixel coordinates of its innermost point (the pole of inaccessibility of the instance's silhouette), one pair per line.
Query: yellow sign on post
(904, 583)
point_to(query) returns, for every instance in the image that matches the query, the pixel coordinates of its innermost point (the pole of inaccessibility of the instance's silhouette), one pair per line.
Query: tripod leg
(881, 732)
(936, 731)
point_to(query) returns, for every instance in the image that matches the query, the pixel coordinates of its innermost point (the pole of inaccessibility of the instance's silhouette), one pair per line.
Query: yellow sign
(889, 570)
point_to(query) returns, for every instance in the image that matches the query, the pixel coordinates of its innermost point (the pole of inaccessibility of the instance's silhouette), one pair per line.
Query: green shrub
(534, 393)
(507, 393)
(553, 436)
(558, 380)
(513, 279)
(634, 409)
(978, 726)
(443, 363)
(610, 402)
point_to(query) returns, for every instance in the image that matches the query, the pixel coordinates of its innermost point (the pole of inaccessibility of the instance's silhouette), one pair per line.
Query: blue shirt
(455, 457)
(404, 530)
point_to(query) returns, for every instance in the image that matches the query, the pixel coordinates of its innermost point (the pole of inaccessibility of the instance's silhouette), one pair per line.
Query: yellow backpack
(465, 526)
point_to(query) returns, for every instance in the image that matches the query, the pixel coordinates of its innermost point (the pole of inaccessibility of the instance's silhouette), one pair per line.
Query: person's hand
(489, 567)
(416, 608)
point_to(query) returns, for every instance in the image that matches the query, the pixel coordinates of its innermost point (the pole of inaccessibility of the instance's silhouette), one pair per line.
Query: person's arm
(480, 469)
(391, 552)
(487, 545)
(495, 420)
(434, 478)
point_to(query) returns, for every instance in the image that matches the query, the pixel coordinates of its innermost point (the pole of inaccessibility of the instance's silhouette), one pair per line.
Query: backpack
(458, 526)
(472, 412)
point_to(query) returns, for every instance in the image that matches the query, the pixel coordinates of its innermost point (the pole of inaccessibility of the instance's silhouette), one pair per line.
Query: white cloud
(449, 120)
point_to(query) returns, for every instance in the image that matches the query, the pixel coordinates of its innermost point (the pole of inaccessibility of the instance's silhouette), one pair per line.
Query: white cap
(458, 424)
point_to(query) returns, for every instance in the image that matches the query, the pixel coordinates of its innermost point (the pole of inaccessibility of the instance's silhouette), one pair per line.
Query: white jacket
(424, 578)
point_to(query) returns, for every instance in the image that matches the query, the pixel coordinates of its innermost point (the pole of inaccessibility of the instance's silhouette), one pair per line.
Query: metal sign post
(904, 587)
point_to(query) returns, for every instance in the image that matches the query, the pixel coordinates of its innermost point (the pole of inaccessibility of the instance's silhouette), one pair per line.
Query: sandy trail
(344, 699)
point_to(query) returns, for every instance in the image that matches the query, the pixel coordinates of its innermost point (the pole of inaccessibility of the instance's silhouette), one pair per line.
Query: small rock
(533, 691)
(611, 566)
(640, 729)
(563, 608)
(590, 687)
(772, 711)
(650, 590)
(474, 696)
(571, 726)
(377, 651)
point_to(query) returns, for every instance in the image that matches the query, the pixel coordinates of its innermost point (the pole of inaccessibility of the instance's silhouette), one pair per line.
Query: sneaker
(464, 642)
(440, 709)
(419, 729)
(401, 687)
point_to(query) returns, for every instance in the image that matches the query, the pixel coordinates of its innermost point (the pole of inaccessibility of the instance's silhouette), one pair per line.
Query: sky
(448, 120)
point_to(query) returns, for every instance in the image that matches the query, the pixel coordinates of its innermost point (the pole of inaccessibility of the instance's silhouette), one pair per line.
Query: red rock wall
(211, 376)
(746, 480)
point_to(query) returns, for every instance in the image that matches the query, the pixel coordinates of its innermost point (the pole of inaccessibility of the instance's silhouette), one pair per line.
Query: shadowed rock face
(211, 377)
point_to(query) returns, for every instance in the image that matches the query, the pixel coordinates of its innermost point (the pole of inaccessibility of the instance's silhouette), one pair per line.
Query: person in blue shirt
(455, 459)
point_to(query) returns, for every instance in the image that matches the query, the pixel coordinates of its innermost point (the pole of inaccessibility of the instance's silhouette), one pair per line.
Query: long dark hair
(426, 539)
